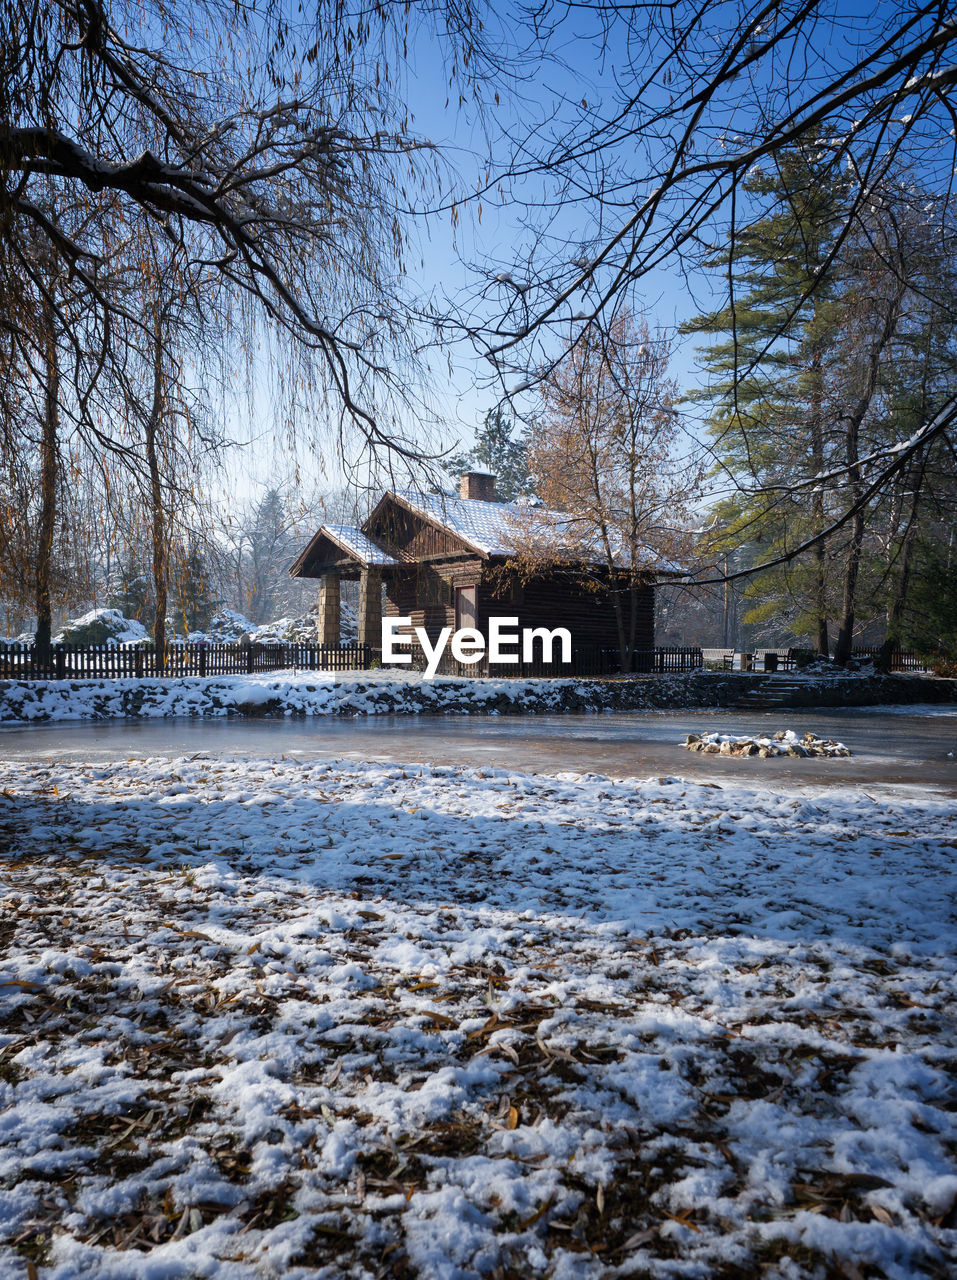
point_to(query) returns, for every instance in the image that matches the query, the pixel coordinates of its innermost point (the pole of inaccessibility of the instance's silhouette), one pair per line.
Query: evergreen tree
(797, 421)
(131, 592)
(768, 396)
(194, 594)
(497, 450)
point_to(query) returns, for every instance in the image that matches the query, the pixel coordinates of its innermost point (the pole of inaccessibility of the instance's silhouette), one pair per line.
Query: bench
(721, 658)
(780, 659)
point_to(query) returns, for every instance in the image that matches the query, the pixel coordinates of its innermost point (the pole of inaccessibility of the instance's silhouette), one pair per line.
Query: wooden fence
(586, 660)
(102, 661)
(900, 659)
(112, 662)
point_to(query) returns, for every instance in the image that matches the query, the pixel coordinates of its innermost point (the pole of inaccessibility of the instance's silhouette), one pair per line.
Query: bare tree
(605, 463)
(262, 143)
(651, 171)
(263, 539)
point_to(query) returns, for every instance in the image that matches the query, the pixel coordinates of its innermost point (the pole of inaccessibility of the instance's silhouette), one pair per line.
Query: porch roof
(349, 542)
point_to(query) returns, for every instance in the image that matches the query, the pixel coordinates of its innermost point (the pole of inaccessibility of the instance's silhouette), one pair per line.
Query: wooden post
(370, 608)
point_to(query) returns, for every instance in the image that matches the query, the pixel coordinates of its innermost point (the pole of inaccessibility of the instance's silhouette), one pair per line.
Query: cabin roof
(498, 528)
(348, 539)
(486, 526)
(356, 543)
(489, 528)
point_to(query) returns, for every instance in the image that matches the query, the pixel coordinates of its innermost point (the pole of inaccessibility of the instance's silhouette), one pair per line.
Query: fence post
(60, 660)
(249, 659)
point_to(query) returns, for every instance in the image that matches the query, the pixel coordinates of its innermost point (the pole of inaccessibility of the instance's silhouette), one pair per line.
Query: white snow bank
(319, 693)
(116, 628)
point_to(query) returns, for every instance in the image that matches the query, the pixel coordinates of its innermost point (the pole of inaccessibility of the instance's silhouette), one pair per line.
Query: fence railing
(586, 660)
(899, 659)
(102, 661)
(114, 662)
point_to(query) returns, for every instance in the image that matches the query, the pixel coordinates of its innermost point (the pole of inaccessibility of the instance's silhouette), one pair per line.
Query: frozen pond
(903, 747)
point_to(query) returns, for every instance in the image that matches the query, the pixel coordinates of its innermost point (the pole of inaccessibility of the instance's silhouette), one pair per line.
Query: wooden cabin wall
(410, 537)
(561, 602)
(426, 594)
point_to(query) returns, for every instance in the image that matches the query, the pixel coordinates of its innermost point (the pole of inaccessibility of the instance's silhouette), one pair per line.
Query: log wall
(410, 537)
(426, 593)
(561, 602)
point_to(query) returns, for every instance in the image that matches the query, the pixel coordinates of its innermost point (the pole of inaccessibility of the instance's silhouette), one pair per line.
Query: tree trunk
(895, 610)
(632, 620)
(48, 489)
(821, 641)
(623, 655)
(845, 638)
(160, 550)
(852, 561)
(845, 635)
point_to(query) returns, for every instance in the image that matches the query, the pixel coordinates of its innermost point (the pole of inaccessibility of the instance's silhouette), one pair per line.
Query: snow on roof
(499, 528)
(489, 526)
(355, 543)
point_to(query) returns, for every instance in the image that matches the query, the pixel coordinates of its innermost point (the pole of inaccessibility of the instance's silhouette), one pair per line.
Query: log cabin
(443, 560)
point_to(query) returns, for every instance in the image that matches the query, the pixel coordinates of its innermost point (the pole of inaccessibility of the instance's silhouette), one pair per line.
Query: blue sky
(446, 263)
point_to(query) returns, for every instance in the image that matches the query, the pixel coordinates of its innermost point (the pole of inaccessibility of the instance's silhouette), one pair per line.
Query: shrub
(946, 668)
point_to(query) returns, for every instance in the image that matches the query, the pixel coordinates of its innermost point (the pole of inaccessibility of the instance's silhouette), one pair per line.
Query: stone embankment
(382, 693)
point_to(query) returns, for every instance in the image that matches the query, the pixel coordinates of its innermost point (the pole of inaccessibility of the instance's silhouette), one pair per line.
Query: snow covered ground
(279, 1018)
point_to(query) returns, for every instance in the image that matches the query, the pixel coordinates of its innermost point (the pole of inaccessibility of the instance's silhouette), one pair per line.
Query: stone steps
(776, 694)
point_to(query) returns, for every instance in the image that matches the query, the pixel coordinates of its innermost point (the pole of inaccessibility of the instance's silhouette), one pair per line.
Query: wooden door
(466, 607)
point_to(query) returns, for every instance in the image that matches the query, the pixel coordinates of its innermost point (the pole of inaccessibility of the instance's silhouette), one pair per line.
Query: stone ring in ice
(783, 743)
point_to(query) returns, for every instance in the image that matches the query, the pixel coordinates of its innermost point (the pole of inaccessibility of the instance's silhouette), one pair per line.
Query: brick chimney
(479, 485)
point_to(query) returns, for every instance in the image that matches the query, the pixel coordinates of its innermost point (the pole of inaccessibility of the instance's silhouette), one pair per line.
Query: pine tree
(768, 396)
(131, 592)
(194, 593)
(497, 450)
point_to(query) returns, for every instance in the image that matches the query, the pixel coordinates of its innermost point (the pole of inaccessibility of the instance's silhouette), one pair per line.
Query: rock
(794, 749)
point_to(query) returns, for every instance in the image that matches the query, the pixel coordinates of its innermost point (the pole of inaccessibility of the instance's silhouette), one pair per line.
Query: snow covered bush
(101, 626)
